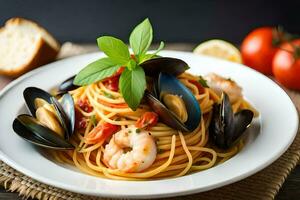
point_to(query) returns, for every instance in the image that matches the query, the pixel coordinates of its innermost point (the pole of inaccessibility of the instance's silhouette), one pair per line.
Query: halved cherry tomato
(112, 83)
(198, 85)
(85, 105)
(258, 49)
(101, 132)
(286, 65)
(147, 120)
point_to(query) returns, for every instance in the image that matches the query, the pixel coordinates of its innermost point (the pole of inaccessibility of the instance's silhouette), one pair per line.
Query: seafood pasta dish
(134, 115)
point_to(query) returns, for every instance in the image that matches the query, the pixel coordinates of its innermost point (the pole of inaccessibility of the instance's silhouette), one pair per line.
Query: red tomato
(286, 65)
(85, 105)
(258, 50)
(101, 132)
(147, 120)
(112, 83)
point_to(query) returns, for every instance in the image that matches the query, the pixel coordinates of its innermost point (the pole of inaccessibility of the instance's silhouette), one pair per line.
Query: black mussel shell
(68, 106)
(31, 93)
(153, 86)
(169, 84)
(168, 65)
(67, 85)
(164, 114)
(27, 135)
(227, 128)
(31, 130)
(62, 117)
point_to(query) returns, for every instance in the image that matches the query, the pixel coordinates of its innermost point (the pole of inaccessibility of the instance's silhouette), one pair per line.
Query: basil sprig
(132, 82)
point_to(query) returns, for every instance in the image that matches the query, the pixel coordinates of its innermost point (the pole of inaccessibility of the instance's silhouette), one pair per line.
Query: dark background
(173, 21)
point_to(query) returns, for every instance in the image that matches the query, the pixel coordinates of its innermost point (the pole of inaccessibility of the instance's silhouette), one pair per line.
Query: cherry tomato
(147, 120)
(101, 132)
(258, 50)
(85, 105)
(286, 65)
(112, 83)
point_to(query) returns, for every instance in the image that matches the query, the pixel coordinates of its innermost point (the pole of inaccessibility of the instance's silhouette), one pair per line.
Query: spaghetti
(178, 153)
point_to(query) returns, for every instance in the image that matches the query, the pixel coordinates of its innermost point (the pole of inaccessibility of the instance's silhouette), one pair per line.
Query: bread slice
(24, 46)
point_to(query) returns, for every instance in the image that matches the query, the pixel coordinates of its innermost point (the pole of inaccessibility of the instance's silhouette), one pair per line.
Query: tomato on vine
(258, 49)
(286, 65)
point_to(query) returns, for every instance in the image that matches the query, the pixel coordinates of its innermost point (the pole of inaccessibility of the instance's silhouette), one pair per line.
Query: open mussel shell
(31, 130)
(68, 106)
(168, 65)
(32, 93)
(164, 114)
(169, 84)
(66, 86)
(227, 128)
(62, 117)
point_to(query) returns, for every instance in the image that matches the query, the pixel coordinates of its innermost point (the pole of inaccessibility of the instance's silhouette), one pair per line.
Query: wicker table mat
(262, 185)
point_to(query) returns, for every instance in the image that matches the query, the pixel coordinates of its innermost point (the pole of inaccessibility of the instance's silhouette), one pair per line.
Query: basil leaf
(114, 49)
(150, 56)
(96, 71)
(131, 64)
(161, 46)
(132, 85)
(141, 37)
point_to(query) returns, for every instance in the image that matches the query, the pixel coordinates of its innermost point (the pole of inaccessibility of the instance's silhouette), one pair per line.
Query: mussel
(66, 86)
(173, 66)
(174, 103)
(52, 122)
(226, 128)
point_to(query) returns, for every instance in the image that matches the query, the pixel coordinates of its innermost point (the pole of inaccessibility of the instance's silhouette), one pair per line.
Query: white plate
(278, 124)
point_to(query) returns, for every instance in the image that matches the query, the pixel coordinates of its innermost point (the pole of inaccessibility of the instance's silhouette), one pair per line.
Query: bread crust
(19, 20)
(43, 54)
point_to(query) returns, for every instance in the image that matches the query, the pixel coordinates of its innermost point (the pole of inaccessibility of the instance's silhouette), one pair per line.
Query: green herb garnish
(93, 120)
(108, 95)
(203, 82)
(132, 81)
(96, 71)
(137, 130)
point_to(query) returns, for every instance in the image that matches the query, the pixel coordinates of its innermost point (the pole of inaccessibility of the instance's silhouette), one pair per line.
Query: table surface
(289, 191)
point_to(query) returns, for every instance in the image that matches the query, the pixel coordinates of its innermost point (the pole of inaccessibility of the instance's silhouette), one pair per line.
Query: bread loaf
(24, 46)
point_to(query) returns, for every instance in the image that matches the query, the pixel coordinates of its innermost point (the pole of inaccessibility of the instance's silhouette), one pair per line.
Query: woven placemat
(262, 185)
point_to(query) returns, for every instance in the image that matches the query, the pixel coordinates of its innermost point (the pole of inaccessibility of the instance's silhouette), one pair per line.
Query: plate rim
(47, 181)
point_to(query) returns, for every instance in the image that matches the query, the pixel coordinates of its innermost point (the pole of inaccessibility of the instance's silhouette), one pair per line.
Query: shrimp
(220, 84)
(130, 150)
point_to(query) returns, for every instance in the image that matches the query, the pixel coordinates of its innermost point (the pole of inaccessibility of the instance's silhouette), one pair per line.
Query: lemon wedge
(220, 49)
